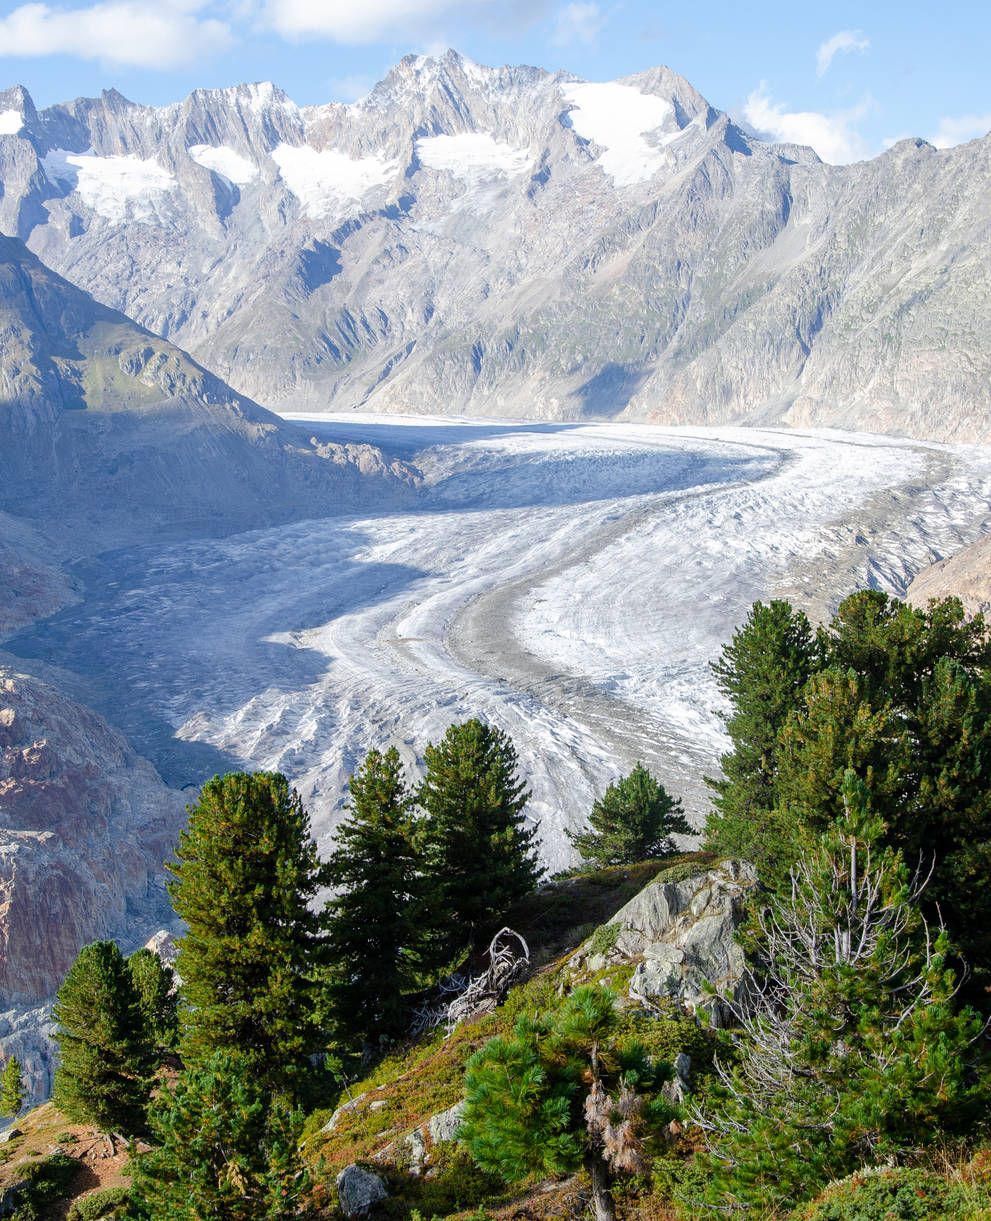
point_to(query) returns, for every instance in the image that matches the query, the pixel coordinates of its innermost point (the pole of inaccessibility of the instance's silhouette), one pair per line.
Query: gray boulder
(358, 1190)
(684, 934)
(444, 1126)
(343, 1109)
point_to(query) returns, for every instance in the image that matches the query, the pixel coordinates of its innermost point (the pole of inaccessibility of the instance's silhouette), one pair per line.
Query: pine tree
(155, 984)
(372, 929)
(245, 872)
(11, 1089)
(105, 1054)
(478, 856)
(558, 1094)
(853, 1046)
(225, 1149)
(632, 821)
(762, 673)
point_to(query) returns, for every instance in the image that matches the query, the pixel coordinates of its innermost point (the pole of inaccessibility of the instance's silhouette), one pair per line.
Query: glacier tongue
(569, 582)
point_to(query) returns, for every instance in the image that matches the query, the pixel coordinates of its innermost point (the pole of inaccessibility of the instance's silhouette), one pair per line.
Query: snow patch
(472, 156)
(323, 180)
(11, 122)
(616, 117)
(224, 161)
(118, 188)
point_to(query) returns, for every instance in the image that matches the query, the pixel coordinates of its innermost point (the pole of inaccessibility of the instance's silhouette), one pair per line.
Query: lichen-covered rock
(358, 1190)
(684, 933)
(351, 1105)
(444, 1126)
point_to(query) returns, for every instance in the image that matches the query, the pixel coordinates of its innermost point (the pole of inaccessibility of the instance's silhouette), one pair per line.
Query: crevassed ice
(11, 122)
(472, 155)
(118, 188)
(324, 179)
(616, 117)
(226, 161)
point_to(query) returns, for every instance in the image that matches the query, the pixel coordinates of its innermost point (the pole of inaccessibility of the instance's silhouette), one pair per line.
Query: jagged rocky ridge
(519, 242)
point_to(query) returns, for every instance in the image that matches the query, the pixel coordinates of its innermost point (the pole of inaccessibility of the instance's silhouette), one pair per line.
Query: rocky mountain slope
(111, 434)
(87, 826)
(518, 242)
(965, 575)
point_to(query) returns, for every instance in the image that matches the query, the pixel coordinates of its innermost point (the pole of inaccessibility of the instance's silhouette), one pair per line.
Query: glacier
(570, 582)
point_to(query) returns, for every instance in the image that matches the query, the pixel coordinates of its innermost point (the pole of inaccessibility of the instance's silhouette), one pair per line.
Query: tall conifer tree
(479, 856)
(105, 1053)
(372, 919)
(632, 821)
(245, 872)
(762, 673)
(11, 1089)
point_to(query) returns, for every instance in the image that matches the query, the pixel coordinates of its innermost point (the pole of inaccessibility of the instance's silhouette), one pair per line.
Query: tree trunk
(602, 1201)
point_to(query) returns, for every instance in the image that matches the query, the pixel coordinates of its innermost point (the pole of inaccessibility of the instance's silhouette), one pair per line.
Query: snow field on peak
(11, 122)
(324, 180)
(616, 118)
(116, 187)
(225, 161)
(472, 156)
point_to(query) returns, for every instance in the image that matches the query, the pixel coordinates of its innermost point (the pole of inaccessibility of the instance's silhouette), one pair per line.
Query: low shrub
(44, 1182)
(896, 1194)
(99, 1204)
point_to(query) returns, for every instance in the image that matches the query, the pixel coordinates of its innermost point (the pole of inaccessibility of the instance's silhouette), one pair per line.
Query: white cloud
(133, 32)
(966, 127)
(833, 136)
(354, 23)
(578, 22)
(845, 40)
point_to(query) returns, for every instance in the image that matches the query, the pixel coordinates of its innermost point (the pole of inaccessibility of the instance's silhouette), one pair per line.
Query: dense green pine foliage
(478, 856)
(245, 872)
(105, 1052)
(155, 984)
(372, 930)
(560, 1093)
(633, 821)
(762, 672)
(900, 695)
(11, 1089)
(226, 1149)
(855, 1049)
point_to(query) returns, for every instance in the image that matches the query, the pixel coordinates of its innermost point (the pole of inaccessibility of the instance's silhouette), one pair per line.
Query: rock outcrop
(515, 241)
(683, 936)
(86, 828)
(358, 1190)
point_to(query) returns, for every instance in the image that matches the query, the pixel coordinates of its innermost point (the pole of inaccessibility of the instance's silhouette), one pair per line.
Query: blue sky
(847, 78)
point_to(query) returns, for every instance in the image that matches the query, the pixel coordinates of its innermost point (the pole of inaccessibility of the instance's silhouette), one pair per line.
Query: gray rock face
(111, 435)
(478, 240)
(358, 1190)
(86, 827)
(444, 1126)
(685, 934)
